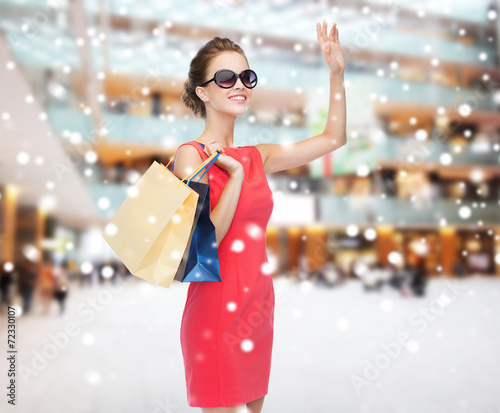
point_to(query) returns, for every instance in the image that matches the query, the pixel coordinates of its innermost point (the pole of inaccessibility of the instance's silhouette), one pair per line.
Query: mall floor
(336, 349)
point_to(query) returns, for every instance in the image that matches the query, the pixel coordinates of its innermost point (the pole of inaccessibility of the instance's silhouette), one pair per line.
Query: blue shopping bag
(200, 261)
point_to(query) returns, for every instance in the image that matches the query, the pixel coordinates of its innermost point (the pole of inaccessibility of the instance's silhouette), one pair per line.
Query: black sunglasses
(226, 78)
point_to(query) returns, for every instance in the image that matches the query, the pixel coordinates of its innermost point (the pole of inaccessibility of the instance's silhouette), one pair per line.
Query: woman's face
(217, 98)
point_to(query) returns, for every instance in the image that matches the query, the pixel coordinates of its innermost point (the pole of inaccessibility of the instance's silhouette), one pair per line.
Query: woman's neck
(219, 126)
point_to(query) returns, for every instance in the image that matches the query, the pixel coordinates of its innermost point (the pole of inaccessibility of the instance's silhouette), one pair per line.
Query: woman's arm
(223, 213)
(186, 161)
(279, 157)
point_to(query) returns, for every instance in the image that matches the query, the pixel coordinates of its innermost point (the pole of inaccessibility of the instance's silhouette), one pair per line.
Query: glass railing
(472, 11)
(109, 196)
(280, 76)
(43, 43)
(369, 210)
(395, 41)
(168, 131)
(435, 150)
(171, 132)
(66, 121)
(376, 210)
(397, 90)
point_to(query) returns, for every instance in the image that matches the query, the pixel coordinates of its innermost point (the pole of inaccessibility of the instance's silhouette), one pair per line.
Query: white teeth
(238, 98)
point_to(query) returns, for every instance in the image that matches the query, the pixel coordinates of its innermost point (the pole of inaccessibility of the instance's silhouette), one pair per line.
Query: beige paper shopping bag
(150, 231)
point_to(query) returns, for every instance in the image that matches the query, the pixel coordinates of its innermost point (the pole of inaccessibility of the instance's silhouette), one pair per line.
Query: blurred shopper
(55, 92)
(107, 272)
(85, 275)
(122, 273)
(397, 277)
(405, 274)
(72, 270)
(419, 279)
(381, 274)
(459, 268)
(61, 286)
(27, 283)
(116, 272)
(305, 270)
(373, 277)
(46, 282)
(6, 280)
(156, 106)
(100, 268)
(384, 272)
(331, 275)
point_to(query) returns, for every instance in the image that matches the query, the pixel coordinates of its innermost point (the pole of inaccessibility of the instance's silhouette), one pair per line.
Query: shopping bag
(151, 229)
(201, 260)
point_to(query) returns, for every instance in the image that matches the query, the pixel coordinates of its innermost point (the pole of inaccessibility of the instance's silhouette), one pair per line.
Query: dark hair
(198, 68)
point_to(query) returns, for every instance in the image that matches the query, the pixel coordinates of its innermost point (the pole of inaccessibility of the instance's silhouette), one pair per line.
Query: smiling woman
(227, 326)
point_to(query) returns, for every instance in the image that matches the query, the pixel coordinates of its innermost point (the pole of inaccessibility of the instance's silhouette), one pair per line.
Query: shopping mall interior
(99, 100)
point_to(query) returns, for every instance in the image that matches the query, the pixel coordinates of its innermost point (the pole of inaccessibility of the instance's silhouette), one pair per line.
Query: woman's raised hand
(330, 46)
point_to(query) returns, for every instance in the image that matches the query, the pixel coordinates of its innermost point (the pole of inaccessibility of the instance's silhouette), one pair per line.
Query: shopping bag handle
(208, 162)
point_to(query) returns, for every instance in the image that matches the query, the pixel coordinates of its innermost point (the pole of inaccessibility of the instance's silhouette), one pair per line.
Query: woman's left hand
(330, 46)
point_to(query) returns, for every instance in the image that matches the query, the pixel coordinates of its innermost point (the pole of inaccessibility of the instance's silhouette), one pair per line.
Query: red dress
(227, 327)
